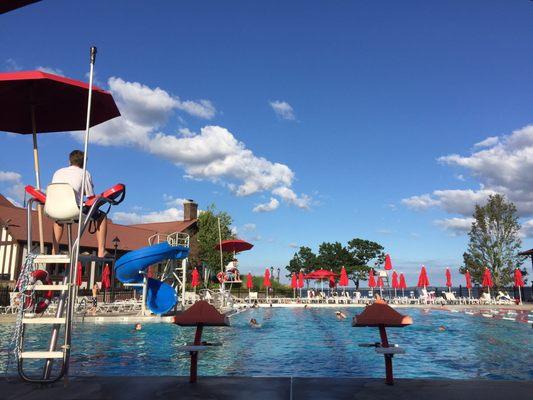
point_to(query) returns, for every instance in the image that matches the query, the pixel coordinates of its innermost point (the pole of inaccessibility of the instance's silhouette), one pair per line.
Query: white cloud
(248, 227)
(266, 207)
(129, 218)
(50, 70)
(172, 201)
(488, 142)
(293, 245)
(212, 154)
(283, 110)
(13, 186)
(12, 65)
(9, 176)
(527, 229)
(422, 202)
(457, 226)
(289, 196)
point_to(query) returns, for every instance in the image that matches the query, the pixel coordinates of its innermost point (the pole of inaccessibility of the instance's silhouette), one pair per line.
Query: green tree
(363, 252)
(208, 236)
(304, 260)
(494, 241)
(332, 256)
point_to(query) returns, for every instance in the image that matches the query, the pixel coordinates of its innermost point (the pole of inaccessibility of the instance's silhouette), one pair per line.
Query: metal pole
(220, 246)
(113, 274)
(143, 304)
(37, 178)
(183, 280)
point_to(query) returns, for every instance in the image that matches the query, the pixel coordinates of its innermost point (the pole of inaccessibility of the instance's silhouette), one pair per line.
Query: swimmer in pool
(340, 315)
(138, 326)
(254, 323)
(442, 328)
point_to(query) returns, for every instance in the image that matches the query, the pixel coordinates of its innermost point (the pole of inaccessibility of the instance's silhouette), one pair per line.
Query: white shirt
(73, 175)
(232, 265)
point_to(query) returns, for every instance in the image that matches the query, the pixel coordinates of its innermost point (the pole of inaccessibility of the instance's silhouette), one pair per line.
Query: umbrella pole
(37, 181)
(519, 295)
(220, 246)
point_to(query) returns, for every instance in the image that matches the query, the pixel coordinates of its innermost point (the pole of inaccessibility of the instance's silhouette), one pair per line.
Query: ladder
(61, 322)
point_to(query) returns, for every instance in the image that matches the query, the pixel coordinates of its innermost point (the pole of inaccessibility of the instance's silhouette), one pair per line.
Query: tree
(494, 241)
(362, 253)
(208, 236)
(332, 256)
(304, 260)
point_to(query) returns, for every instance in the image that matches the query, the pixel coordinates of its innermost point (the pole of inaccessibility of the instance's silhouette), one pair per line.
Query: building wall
(9, 255)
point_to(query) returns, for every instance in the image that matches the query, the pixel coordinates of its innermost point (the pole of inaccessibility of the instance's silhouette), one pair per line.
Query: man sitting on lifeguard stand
(232, 273)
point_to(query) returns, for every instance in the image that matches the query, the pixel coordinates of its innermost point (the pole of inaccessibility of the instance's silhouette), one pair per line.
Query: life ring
(44, 298)
(221, 276)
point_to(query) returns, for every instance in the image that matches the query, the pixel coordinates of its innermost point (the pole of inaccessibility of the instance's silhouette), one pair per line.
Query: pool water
(304, 342)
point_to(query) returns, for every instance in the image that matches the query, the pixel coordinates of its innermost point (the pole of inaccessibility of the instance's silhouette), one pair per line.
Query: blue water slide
(130, 268)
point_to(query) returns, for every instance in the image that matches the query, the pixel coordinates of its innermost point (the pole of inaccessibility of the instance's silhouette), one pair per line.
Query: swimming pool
(307, 342)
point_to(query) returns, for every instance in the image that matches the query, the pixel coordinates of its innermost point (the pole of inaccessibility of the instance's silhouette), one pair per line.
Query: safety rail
(173, 239)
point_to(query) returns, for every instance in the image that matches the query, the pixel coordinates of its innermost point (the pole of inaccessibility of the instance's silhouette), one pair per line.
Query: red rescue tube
(39, 275)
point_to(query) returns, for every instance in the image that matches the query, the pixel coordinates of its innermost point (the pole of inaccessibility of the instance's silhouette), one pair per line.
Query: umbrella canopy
(249, 281)
(468, 279)
(266, 280)
(448, 277)
(380, 282)
(402, 283)
(487, 279)
(423, 280)
(106, 283)
(381, 314)
(195, 278)
(79, 273)
(9, 5)
(320, 274)
(54, 103)
(343, 281)
(371, 279)
(300, 280)
(332, 282)
(518, 279)
(294, 281)
(388, 263)
(234, 246)
(395, 283)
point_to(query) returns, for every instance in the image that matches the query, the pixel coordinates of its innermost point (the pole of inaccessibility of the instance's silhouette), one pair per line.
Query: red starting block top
(201, 313)
(381, 314)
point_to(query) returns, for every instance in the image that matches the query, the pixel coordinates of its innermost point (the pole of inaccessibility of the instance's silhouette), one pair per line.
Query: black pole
(113, 274)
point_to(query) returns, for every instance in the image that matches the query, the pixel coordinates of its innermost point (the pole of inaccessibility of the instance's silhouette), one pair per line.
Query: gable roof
(167, 227)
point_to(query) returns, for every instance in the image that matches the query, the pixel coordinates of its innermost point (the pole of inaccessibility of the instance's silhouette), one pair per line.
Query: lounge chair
(504, 298)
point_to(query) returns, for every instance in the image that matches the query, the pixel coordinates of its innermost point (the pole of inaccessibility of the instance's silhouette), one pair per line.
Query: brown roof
(167, 227)
(131, 236)
(527, 253)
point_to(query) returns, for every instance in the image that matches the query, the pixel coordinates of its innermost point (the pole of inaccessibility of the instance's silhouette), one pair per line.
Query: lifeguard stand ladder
(60, 204)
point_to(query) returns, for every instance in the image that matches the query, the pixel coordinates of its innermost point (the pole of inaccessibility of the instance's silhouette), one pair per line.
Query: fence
(4, 296)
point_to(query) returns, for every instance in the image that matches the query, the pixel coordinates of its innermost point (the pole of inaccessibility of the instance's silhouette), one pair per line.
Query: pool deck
(246, 388)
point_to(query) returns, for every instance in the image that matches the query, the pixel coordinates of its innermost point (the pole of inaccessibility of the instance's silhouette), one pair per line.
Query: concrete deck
(246, 388)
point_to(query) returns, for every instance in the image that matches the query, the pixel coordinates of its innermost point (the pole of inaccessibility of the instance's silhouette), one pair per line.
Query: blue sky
(341, 117)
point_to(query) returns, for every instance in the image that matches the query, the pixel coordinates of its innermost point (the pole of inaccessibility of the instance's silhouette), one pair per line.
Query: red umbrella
(423, 280)
(233, 246)
(487, 279)
(449, 279)
(249, 281)
(395, 283)
(266, 281)
(300, 280)
(79, 274)
(332, 282)
(519, 282)
(294, 281)
(195, 278)
(106, 283)
(402, 285)
(468, 279)
(371, 280)
(36, 102)
(343, 281)
(320, 274)
(388, 263)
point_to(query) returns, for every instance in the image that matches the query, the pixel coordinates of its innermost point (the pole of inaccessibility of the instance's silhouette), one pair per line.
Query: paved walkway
(248, 388)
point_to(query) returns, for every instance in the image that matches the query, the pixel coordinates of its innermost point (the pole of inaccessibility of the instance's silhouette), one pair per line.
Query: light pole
(115, 242)
(279, 270)
(272, 277)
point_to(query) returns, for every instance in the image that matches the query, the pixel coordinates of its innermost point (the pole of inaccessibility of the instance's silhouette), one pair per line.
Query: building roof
(131, 236)
(527, 253)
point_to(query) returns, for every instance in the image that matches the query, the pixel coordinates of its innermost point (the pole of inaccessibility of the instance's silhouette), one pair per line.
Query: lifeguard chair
(59, 204)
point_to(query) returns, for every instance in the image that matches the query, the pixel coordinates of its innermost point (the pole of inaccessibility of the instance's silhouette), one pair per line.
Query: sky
(307, 121)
